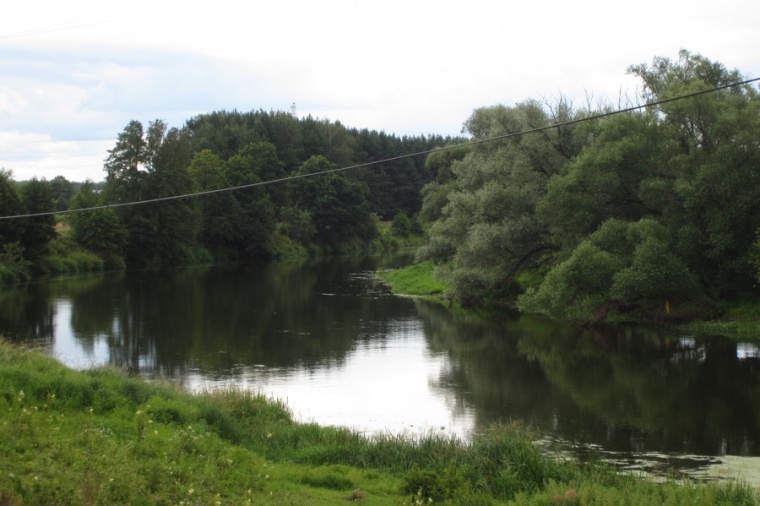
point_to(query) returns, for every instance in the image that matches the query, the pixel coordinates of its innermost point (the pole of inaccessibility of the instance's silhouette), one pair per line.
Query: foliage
(633, 212)
(217, 210)
(13, 267)
(216, 151)
(336, 204)
(402, 225)
(64, 256)
(297, 224)
(38, 230)
(488, 229)
(392, 187)
(98, 230)
(517, 207)
(253, 212)
(62, 191)
(621, 264)
(756, 255)
(718, 187)
(10, 205)
(146, 165)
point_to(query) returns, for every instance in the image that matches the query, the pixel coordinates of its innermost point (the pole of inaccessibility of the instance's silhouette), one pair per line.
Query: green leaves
(620, 213)
(100, 231)
(621, 265)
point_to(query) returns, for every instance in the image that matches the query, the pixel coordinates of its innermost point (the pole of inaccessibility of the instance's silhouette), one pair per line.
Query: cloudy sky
(74, 73)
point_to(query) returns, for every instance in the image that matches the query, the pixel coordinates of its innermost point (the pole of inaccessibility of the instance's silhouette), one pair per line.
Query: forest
(336, 212)
(654, 211)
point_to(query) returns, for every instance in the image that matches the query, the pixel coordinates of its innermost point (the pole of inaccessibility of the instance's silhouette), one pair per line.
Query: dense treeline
(652, 212)
(655, 211)
(335, 212)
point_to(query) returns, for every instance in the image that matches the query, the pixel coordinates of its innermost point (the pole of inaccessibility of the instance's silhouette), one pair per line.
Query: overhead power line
(394, 158)
(58, 27)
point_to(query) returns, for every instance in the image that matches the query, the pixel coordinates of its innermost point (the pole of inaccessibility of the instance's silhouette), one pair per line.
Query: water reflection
(625, 389)
(327, 337)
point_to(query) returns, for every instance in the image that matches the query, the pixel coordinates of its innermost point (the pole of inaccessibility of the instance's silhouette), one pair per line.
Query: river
(328, 338)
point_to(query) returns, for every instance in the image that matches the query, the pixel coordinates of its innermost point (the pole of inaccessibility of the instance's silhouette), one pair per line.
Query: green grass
(740, 320)
(415, 280)
(100, 437)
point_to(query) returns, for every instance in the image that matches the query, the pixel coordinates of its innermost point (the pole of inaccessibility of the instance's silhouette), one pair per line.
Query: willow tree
(487, 230)
(717, 165)
(680, 183)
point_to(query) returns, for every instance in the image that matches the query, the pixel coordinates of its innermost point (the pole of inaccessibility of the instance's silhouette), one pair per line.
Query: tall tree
(10, 205)
(38, 230)
(488, 230)
(254, 211)
(217, 210)
(337, 205)
(125, 165)
(718, 159)
(680, 185)
(147, 165)
(62, 190)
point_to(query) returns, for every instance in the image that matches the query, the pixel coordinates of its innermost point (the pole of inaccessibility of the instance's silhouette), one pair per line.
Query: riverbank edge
(98, 436)
(64, 257)
(738, 320)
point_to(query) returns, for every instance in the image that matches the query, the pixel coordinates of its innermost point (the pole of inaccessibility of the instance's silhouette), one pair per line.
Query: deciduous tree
(38, 231)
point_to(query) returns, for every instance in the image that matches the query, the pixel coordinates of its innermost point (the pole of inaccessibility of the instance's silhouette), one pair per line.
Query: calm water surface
(326, 337)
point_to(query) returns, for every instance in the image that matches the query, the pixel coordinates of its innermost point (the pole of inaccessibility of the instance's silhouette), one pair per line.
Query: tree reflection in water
(622, 388)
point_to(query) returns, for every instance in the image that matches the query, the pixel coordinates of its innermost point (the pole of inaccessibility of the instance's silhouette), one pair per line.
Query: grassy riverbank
(739, 320)
(99, 437)
(415, 280)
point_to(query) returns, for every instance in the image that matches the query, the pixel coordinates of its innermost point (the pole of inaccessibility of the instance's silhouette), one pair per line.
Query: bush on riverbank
(99, 437)
(64, 256)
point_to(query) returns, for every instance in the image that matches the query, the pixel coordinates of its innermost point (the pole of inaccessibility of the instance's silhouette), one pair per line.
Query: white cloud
(82, 69)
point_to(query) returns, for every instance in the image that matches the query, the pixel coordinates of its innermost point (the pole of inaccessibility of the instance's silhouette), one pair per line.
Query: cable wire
(392, 159)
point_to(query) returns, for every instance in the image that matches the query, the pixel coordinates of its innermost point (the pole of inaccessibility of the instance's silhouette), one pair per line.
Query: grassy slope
(98, 437)
(415, 280)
